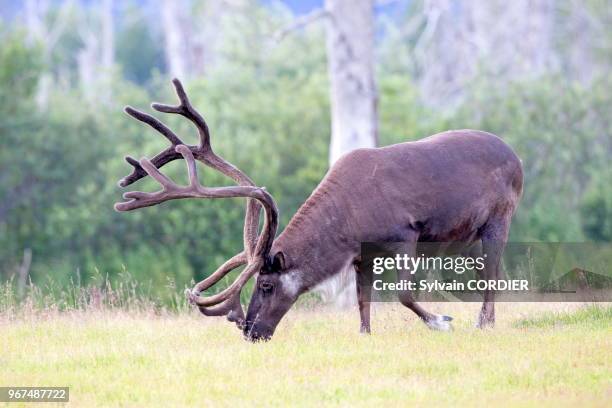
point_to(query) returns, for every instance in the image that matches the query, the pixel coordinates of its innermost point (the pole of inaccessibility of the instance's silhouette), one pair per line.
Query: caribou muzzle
(257, 331)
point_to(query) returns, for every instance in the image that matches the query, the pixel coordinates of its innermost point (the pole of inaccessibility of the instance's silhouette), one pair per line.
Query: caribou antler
(255, 249)
(203, 152)
(173, 191)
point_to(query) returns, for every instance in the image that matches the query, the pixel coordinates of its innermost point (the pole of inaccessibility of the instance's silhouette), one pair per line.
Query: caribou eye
(266, 287)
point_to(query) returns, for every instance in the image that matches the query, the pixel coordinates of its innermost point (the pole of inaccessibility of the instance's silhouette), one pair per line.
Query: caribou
(455, 186)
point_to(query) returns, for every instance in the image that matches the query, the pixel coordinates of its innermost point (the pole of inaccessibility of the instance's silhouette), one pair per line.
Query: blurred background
(266, 74)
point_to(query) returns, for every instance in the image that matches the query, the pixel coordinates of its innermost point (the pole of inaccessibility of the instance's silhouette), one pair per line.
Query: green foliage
(403, 117)
(21, 65)
(71, 163)
(139, 49)
(561, 131)
(596, 208)
(268, 109)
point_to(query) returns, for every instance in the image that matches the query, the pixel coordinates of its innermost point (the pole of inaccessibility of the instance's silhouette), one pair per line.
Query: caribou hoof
(440, 323)
(485, 324)
(486, 319)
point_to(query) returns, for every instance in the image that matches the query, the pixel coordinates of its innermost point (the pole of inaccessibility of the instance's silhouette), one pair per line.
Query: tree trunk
(177, 44)
(23, 271)
(350, 59)
(108, 40)
(35, 12)
(86, 59)
(350, 55)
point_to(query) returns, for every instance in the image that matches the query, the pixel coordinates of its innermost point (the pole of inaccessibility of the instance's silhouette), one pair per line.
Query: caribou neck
(317, 240)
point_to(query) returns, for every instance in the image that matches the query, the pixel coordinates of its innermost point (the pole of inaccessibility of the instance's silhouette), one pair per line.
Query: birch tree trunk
(35, 11)
(175, 26)
(45, 34)
(464, 39)
(353, 94)
(87, 61)
(96, 58)
(108, 36)
(350, 55)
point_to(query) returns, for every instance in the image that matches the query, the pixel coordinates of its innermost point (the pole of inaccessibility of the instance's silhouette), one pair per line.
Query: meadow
(539, 354)
(92, 299)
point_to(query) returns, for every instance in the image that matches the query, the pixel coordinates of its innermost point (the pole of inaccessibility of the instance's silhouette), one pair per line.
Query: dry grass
(112, 358)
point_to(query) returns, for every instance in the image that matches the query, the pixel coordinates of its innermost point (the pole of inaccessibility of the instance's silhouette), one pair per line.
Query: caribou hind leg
(494, 236)
(433, 321)
(364, 294)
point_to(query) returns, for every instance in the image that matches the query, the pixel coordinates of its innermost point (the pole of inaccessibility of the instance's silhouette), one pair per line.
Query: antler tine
(264, 243)
(160, 159)
(222, 309)
(233, 289)
(227, 306)
(155, 124)
(171, 191)
(166, 183)
(229, 265)
(253, 246)
(204, 153)
(185, 109)
(230, 308)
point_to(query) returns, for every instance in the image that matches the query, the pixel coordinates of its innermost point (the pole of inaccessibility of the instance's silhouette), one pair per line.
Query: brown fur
(461, 185)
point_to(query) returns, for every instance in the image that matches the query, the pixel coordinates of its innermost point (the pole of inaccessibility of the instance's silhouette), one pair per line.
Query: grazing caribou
(455, 186)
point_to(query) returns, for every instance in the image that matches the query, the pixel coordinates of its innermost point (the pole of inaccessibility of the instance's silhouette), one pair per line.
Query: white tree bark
(353, 94)
(35, 11)
(350, 45)
(176, 28)
(97, 56)
(23, 272)
(461, 38)
(46, 35)
(87, 59)
(108, 35)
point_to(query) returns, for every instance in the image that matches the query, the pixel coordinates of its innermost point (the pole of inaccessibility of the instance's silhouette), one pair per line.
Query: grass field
(538, 355)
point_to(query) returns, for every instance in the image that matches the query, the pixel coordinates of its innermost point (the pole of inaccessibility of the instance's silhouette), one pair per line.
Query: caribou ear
(278, 262)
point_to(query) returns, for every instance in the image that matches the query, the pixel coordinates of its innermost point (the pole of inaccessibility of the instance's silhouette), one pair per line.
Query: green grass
(592, 315)
(113, 358)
